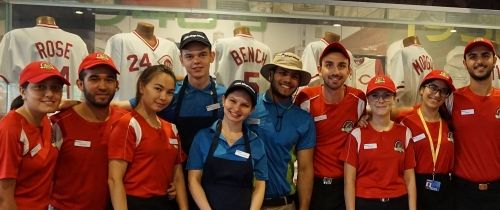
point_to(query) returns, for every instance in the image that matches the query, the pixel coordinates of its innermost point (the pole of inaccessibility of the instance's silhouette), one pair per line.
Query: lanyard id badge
(432, 185)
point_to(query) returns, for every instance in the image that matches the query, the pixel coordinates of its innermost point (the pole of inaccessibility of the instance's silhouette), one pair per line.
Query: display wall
(366, 29)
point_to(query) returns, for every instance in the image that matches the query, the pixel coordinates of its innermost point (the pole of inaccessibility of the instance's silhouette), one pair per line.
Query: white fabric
(240, 58)
(132, 55)
(23, 46)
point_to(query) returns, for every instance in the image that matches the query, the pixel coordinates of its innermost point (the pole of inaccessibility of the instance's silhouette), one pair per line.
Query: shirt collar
(251, 135)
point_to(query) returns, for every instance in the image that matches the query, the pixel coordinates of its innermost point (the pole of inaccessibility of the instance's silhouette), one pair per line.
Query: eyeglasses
(384, 96)
(44, 87)
(444, 92)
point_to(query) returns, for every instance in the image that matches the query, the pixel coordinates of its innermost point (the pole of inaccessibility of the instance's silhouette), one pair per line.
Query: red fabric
(151, 159)
(332, 132)
(423, 155)
(81, 174)
(19, 160)
(477, 135)
(380, 170)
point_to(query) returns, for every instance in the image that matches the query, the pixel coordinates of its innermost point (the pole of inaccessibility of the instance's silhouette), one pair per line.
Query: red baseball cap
(380, 82)
(441, 75)
(479, 41)
(335, 47)
(96, 59)
(38, 71)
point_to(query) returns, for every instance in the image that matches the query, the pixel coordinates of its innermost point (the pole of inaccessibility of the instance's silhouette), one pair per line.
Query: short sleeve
(123, 140)
(11, 151)
(260, 163)
(198, 151)
(308, 134)
(350, 152)
(409, 151)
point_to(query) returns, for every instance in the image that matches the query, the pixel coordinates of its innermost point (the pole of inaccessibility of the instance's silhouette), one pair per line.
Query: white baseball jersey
(365, 68)
(455, 67)
(496, 74)
(240, 58)
(20, 47)
(416, 64)
(132, 54)
(310, 57)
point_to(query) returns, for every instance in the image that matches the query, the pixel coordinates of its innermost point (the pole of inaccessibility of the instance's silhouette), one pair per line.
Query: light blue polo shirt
(194, 104)
(203, 140)
(297, 133)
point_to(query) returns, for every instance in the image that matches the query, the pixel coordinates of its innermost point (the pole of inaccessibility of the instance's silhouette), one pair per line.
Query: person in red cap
(379, 158)
(145, 154)
(27, 156)
(475, 111)
(336, 108)
(81, 173)
(433, 142)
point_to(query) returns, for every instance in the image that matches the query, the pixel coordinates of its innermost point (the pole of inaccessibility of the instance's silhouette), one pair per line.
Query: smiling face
(434, 93)
(237, 106)
(480, 62)
(334, 69)
(43, 97)
(99, 86)
(158, 92)
(381, 102)
(196, 58)
(284, 82)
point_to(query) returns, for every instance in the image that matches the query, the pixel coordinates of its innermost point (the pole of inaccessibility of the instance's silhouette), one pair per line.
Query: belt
(327, 180)
(487, 186)
(278, 201)
(384, 200)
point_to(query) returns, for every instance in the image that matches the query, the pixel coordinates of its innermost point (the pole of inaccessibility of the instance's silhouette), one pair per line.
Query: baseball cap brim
(191, 40)
(94, 64)
(368, 92)
(305, 77)
(41, 77)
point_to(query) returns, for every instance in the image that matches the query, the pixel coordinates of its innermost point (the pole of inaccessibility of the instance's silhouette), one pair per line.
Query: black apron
(228, 184)
(189, 126)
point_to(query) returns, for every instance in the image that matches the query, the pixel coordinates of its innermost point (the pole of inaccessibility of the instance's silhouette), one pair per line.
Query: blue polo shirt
(194, 104)
(203, 140)
(297, 133)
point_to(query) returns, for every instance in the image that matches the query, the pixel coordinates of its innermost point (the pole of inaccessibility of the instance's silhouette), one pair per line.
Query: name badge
(418, 137)
(82, 143)
(35, 150)
(174, 141)
(253, 121)
(213, 107)
(242, 154)
(370, 146)
(319, 118)
(467, 111)
(432, 185)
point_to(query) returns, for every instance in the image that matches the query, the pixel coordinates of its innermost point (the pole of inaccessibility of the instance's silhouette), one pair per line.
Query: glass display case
(367, 29)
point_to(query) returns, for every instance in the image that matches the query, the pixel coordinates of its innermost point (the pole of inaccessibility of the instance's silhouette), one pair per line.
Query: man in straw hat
(287, 131)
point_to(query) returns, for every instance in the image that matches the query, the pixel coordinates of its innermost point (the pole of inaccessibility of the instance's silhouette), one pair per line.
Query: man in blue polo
(287, 131)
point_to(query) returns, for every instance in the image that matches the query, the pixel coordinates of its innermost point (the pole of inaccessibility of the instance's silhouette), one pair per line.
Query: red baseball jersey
(422, 148)
(333, 123)
(380, 159)
(477, 134)
(151, 153)
(81, 174)
(28, 156)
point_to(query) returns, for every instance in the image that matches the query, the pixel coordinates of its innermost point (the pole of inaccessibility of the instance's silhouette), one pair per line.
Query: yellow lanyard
(435, 152)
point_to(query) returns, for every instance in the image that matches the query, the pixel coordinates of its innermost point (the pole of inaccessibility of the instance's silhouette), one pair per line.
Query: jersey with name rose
(132, 55)
(23, 46)
(240, 58)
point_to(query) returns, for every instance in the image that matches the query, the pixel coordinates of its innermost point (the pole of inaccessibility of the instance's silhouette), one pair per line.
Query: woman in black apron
(226, 157)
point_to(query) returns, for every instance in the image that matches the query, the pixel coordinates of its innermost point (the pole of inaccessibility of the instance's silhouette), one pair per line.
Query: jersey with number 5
(240, 58)
(22, 46)
(132, 55)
